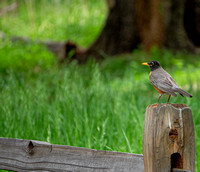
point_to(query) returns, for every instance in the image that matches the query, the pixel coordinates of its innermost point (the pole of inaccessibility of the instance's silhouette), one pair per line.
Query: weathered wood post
(169, 138)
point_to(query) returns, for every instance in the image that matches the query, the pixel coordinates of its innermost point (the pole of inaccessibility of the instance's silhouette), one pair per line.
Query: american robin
(163, 82)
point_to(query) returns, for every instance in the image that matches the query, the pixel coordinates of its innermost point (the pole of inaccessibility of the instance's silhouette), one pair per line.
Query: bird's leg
(159, 99)
(168, 99)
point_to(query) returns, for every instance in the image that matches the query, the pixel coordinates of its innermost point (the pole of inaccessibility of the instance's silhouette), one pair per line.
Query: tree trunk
(171, 24)
(175, 35)
(150, 23)
(192, 20)
(120, 34)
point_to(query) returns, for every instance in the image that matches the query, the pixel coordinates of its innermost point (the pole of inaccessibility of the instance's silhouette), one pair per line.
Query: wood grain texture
(169, 138)
(29, 155)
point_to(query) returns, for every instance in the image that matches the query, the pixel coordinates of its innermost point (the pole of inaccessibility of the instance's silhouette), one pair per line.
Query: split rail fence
(168, 146)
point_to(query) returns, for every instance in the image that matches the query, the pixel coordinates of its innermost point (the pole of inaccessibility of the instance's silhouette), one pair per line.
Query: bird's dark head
(153, 65)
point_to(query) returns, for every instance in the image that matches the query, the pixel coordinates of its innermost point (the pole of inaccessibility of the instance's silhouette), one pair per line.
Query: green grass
(24, 58)
(77, 20)
(77, 106)
(96, 105)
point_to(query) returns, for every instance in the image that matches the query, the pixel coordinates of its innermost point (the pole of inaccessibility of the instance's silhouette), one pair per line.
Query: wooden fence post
(169, 138)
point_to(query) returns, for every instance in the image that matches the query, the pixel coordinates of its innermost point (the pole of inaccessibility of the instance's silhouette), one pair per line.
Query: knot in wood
(30, 149)
(173, 134)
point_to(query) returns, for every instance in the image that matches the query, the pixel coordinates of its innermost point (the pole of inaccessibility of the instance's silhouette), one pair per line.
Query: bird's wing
(164, 82)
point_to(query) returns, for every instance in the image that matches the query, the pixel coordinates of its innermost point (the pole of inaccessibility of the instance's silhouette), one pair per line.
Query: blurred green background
(95, 105)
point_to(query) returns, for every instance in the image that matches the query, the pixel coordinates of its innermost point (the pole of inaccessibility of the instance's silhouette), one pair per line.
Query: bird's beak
(145, 64)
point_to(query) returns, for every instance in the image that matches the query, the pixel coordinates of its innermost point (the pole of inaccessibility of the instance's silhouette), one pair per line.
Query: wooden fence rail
(29, 155)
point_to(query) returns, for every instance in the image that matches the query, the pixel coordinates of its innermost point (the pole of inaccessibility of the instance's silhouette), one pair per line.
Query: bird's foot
(156, 104)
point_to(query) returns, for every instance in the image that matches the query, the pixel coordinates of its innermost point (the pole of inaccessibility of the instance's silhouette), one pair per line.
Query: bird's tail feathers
(183, 93)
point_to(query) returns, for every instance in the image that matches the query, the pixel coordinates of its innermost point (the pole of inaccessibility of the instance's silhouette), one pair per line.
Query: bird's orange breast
(161, 92)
